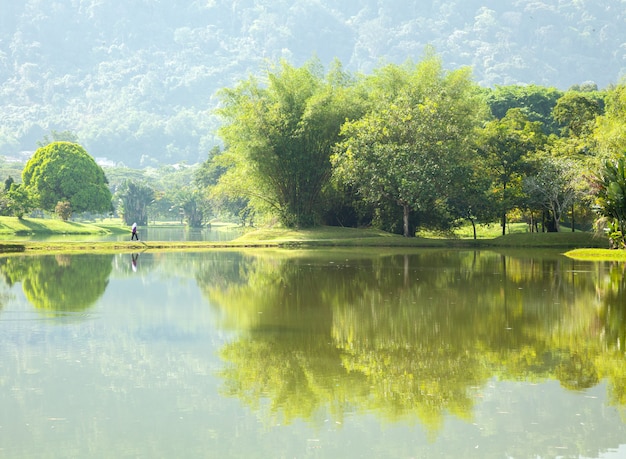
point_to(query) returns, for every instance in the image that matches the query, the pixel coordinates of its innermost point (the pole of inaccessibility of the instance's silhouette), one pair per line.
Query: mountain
(136, 80)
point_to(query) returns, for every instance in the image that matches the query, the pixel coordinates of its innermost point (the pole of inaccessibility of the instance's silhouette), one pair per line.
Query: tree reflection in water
(412, 335)
(59, 284)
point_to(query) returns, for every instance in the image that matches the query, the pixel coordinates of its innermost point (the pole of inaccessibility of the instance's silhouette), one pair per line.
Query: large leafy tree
(505, 146)
(64, 171)
(281, 134)
(417, 131)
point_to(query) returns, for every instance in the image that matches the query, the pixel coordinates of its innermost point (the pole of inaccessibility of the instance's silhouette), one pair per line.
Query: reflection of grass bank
(597, 254)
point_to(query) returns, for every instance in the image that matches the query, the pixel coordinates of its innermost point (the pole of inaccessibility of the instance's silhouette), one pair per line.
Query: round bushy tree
(64, 171)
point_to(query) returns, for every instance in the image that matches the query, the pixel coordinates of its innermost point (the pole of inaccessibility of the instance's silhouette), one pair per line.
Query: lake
(367, 353)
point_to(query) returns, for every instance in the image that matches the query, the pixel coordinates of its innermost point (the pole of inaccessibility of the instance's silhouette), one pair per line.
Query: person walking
(134, 232)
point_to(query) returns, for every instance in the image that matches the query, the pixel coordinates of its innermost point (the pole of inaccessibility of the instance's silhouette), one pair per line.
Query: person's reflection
(134, 257)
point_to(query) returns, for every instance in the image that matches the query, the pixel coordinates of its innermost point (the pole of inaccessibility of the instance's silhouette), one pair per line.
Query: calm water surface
(291, 354)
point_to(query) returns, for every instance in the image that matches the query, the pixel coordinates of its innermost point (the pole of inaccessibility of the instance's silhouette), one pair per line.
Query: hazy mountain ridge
(137, 78)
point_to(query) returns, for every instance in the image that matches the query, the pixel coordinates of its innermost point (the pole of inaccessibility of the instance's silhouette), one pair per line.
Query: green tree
(468, 200)
(191, 203)
(536, 102)
(64, 171)
(505, 145)
(8, 182)
(554, 186)
(577, 112)
(406, 147)
(281, 137)
(610, 192)
(19, 202)
(609, 134)
(220, 200)
(135, 199)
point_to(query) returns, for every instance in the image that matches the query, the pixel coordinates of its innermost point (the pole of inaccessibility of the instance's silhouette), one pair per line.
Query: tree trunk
(473, 227)
(405, 219)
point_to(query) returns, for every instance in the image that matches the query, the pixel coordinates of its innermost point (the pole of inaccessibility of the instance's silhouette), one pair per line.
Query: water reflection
(412, 335)
(59, 284)
(328, 354)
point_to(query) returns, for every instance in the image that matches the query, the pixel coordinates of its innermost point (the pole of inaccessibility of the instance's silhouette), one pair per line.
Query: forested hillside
(136, 80)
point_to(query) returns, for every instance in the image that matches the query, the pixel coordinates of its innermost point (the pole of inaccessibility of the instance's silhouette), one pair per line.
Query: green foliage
(65, 136)
(610, 192)
(610, 135)
(505, 146)
(192, 205)
(418, 127)
(535, 102)
(281, 136)
(553, 186)
(577, 112)
(134, 201)
(19, 202)
(63, 171)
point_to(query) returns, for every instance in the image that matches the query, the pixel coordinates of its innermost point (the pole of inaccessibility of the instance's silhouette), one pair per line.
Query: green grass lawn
(323, 236)
(12, 226)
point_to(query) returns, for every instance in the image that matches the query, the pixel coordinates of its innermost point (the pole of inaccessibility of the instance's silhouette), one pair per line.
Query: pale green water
(290, 354)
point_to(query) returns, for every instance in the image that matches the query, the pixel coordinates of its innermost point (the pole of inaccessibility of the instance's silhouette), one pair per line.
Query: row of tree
(63, 179)
(405, 147)
(415, 145)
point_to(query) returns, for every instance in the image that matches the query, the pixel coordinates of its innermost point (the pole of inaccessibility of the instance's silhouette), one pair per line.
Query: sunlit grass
(329, 235)
(26, 226)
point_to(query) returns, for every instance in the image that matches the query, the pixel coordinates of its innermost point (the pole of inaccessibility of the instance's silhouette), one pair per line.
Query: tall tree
(418, 128)
(135, 198)
(554, 187)
(609, 135)
(281, 135)
(64, 171)
(505, 144)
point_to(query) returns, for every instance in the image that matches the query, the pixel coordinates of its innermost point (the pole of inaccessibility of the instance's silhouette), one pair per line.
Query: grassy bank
(12, 226)
(276, 238)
